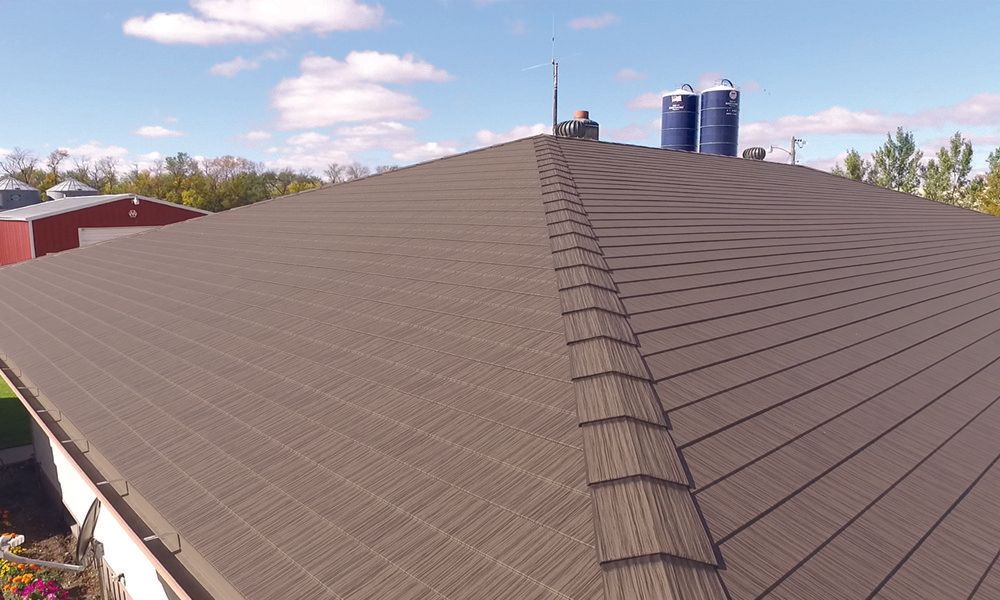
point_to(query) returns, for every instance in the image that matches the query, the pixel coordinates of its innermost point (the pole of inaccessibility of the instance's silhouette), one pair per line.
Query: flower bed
(19, 582)
(25, 508)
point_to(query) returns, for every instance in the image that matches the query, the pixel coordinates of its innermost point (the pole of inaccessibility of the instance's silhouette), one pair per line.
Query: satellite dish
(83, 544)
(86, 538)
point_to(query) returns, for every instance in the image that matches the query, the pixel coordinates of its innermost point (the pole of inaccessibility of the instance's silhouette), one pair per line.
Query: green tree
(303, 184)
(855, 166)
(987, 189)
(194, 199)
(896, 164)
(211, 184)
(946, 177)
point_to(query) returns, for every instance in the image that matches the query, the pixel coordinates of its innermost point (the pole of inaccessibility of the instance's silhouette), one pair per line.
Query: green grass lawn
(14, 421)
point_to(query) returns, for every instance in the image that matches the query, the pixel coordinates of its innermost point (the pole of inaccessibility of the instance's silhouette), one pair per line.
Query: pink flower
(42, 589)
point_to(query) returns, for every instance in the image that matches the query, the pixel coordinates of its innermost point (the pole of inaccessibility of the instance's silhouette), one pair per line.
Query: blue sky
(301, 83)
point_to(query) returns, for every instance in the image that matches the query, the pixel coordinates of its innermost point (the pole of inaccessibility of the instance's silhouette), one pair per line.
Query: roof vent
(755, 153)
(579, 127)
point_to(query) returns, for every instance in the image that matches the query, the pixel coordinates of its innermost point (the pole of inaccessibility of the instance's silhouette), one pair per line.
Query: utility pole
(796, 143)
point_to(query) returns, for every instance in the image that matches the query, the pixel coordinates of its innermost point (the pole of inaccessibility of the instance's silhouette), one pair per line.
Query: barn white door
(96, 235)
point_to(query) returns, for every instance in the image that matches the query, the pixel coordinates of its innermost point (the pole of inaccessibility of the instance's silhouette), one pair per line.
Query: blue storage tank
(720, 120)
(679, 123)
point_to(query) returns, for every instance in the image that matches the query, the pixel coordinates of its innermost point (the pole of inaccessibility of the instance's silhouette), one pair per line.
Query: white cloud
(517, 27)
(309, 138)
(488, 138)
(390, 140)
(629, 74)
(713, 78)
(821, 164)
(315, 161)
(231, 68)
(93, 150)
(256, 136)
(991, 141)
(372, 130)
(388, 135)
(982, 144)
(425, 151)
(225, 21)
(156, 131)
(303, 103)
(978, 110)
(179, 28)
(631, 133)
(833, 120)
(708, 79)
(594, 22)
(377, 67)
(143, 161)
(331, 91)
(648, 100)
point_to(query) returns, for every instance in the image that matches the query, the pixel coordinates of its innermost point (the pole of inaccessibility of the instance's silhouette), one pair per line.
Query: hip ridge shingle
(651, 540)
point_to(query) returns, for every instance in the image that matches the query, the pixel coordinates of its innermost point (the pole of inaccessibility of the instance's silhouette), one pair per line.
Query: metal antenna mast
(555, 79)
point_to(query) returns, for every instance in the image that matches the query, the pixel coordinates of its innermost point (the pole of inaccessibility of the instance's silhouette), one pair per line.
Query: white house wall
(120, 552)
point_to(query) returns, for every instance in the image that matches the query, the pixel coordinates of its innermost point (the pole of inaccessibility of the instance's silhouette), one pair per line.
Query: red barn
(58, 225)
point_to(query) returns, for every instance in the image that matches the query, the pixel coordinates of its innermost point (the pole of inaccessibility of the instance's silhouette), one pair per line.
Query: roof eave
(56, 430)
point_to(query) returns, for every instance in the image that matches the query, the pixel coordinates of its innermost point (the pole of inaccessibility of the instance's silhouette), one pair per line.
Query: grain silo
(720, 120)
(679, 122)
(69, 188)
(15, 194)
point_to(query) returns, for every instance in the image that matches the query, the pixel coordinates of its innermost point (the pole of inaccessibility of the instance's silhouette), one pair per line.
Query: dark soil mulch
(37, 516)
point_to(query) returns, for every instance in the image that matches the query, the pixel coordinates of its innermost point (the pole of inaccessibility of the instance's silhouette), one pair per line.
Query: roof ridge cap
(651, 539)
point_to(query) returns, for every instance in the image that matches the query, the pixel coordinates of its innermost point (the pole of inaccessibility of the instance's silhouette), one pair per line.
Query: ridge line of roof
(60, 206)
(370, 176)
(651, 539)
(778, 165)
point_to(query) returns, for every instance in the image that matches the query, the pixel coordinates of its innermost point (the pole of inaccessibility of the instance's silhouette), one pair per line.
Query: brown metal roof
(364, 389)
(828, 356)
(549, 369)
